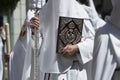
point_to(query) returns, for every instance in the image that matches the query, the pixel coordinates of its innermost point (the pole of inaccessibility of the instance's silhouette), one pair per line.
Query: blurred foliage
(7, 6)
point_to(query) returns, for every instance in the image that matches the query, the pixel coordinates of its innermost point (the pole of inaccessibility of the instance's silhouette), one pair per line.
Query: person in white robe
(77, 66)
(2, 38)
(106, 56)
(17, 55)
(23, 45)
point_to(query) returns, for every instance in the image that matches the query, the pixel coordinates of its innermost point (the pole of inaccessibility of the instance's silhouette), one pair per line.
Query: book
(69, 32)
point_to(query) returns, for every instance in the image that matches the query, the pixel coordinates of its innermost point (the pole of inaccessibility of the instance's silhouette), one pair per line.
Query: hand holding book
(69, 34)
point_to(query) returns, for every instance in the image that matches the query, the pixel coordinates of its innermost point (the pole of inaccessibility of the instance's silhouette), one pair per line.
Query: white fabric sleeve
(30, 14)
(86, 50)
(86, 45)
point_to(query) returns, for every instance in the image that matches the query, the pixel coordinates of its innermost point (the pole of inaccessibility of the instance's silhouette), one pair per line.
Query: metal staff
(36, 49)
(36, 58)
(35, 55)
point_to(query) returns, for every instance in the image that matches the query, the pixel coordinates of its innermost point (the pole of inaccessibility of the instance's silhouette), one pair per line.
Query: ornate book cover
(69, 32)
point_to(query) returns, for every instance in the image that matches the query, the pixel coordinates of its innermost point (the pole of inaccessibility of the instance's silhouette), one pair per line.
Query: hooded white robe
(106, 53)
(17, 56)
(23, 46)
(106, 56)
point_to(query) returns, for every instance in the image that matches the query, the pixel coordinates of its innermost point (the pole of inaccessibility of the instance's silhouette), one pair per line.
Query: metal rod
(36, 58)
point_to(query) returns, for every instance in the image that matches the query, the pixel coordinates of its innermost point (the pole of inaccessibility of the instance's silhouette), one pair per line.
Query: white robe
(2, 37)
(106, 56)
(49, 18)
(21, 48)
(20, 57)
(24, 44)
(106, 53)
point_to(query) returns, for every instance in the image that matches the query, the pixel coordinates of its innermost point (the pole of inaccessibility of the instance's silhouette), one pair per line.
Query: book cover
(69, 32)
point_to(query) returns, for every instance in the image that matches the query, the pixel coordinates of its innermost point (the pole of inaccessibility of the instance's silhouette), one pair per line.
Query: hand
(70, 50)
(34, 22)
